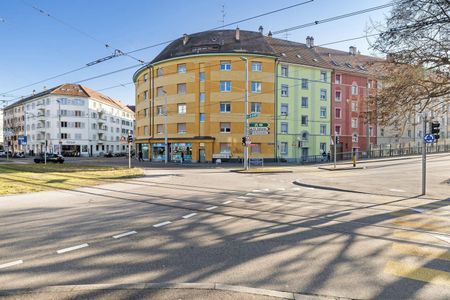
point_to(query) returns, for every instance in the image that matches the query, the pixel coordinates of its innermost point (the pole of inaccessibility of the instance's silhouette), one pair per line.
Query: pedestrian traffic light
(244, 141)
(435, 129)
(337, 139)
(130, 139)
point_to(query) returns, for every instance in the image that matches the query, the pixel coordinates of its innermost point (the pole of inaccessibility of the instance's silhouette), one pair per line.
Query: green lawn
(15, 179)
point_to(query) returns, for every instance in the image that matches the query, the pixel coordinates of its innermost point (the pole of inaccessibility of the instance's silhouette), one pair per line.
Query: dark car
(51, 157)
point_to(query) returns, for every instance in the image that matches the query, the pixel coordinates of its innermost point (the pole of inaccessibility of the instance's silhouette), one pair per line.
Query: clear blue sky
(34, 46)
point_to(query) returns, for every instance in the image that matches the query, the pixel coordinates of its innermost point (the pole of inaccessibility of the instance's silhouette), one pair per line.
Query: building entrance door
(201, 155)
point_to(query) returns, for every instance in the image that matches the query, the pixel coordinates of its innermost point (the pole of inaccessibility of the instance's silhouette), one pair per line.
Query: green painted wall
(311, 146)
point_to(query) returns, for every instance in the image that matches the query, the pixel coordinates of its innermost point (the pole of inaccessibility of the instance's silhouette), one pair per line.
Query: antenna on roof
(223, 15)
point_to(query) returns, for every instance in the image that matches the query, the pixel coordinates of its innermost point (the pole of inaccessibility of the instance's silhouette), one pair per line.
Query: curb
(169, 285)
(341, 169)
(256, 171)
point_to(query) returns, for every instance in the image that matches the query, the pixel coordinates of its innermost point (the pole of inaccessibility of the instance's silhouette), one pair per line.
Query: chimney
(352, 50)
(261, 29)
(270, 33)
(312, 41)
(309, 41)
(238, 34)
(185, 39)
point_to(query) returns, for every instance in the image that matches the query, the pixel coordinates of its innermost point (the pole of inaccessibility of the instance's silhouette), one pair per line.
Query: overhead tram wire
(140, 49)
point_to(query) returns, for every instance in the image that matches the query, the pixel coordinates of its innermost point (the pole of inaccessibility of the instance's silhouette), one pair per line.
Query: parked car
(109, 154)
(5, 153)
(51, 157)
(18, 155)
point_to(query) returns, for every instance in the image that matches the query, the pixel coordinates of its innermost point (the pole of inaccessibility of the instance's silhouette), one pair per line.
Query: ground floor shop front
(74, 148)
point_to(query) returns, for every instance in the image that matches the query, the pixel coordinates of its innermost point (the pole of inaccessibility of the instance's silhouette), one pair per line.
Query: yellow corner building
(193, 93)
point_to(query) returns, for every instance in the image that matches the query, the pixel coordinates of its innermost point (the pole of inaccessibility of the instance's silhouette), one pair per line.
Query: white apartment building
(1, 129)
(71, 119)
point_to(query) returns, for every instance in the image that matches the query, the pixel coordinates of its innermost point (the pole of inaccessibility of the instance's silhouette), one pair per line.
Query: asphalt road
(360, 234)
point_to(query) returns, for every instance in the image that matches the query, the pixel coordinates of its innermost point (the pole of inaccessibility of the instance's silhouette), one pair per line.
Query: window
(337, 79)
(48, 124)
(337, 130)
(338, 113)
(284, 71)
(145, 95)
(284, 148)
(63, 124)
(354, 123)
(369, 83)
(382, 132)
(323, 147)
(225, 86)
(323, 129)
(256, 148)
(145, 112)
(284, 109)
(338, 96)
(256, 66)
(64, 135)
(145, 77)
(78, 125)
(323, 112)
(256, 87)
(284, 128)
(225, 148)
(182, 108)
(323, 94)
(225, 65)
(225, 127)
(145, 130)
(94, 126)
(354, 89)
(159, 72)
(202, 97)
(305, 120)
(160, 91)
(202, 76)
(202, 117)
(305, 84)
(284, 90)
(354, 106)
(371, 132)
(255, 107)
(225, 107)
(323, 76)
(181, 68)
(159, 128)
(355, 137)
(304, 101)
(159, 110)
(305, 136)
(181, 127)
(181, 88)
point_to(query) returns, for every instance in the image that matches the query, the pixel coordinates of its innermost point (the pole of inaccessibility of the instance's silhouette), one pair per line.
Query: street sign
(252, 115)
(22, 139)
(258, 130)
(253, 124)
(428, 138)
(123, 140)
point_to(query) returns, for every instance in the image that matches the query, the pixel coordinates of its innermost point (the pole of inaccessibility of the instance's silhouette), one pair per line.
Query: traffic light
(435, 129)
(337, 139)
(244, 141)
(130, 139)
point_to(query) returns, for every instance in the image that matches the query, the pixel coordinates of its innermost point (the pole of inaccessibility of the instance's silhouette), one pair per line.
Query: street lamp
(245, 114)
(166, 145)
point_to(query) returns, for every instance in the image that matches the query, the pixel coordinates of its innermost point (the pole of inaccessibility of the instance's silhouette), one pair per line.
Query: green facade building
(303, 111)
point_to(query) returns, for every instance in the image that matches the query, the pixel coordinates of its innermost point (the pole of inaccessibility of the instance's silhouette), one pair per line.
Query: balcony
(40, 116)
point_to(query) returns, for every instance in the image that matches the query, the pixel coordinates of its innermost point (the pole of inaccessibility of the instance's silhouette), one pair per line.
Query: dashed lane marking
(396, 190)
(244, 198)
(12, 263)
(211, 208)
(256, 191)
(162, 224)
(251, 194)
(227, 202)
(189, 216)
(417, 272)
(72, 248)
(281, 189)
(118, 236)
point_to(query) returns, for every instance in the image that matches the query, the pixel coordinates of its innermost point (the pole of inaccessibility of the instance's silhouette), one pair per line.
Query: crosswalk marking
(423, 251)
(417, 272)
(418, 225)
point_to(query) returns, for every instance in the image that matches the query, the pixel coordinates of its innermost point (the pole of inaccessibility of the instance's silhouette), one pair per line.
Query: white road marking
(189, 216)
(118, 236)
(211, 208)
(419, 210)
(396, 190)
(245, 198)
(251, 194)
(227, 202)
(10, 264)
(281, 189)
(442, 237)
(296, 189)
(309, 188)
(161, 224)
(72, 248)
(266, 190)
(256, 191)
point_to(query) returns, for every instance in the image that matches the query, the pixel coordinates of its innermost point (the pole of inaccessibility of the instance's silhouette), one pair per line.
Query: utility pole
(246, 114)
(25, 134)
(166, 142)
(424, 156)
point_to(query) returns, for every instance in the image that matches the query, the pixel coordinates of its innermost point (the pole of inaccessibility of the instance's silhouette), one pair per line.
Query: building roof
(297, 53)
(76, 90)
(347, 62)
(216, 41)
(132, 107)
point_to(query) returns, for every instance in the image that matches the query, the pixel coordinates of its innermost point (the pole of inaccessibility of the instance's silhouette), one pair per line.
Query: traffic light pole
(424, 157)
(129, 150)
(335, 149)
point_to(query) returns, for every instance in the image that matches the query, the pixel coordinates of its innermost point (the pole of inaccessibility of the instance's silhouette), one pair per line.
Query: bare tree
(416, 41)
